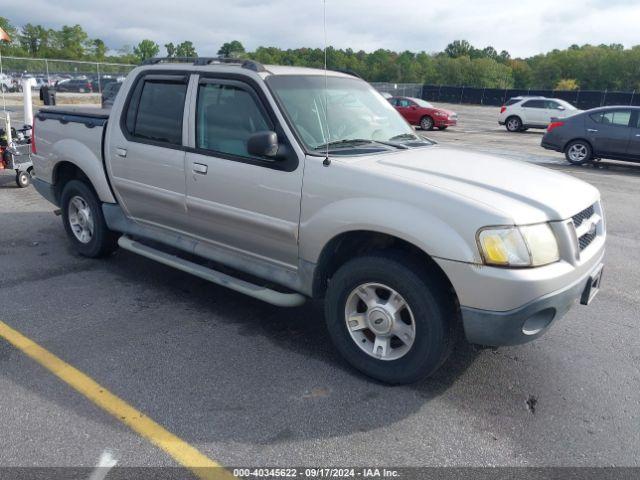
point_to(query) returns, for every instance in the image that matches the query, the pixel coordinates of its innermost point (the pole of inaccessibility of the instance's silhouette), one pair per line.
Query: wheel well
(564, 148)
(425, 116)
(63, 173)
(513, 116)
(346, 246)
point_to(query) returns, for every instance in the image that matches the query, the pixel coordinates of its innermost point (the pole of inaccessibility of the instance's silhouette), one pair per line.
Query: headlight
(528, 246)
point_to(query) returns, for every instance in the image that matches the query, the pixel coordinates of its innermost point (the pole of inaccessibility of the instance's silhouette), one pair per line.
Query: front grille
(578, 219)
(586, 240)
(585, 214)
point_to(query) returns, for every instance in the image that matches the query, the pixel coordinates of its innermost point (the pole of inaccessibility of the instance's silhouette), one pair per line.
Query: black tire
(103, 241)
(513, 124)
(428, 300)
(23, 179)
(426, 123)
(578, 152)
(443, 127)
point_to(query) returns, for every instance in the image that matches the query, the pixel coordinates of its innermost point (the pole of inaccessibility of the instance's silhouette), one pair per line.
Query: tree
(71, 42)
(99, 49)
(567, 84)
(459, 48)
(231, 49)
(186, 49)
(146, 49)
(171, 49)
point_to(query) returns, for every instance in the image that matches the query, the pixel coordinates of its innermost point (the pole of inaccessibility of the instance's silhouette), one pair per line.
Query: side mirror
(263, 144)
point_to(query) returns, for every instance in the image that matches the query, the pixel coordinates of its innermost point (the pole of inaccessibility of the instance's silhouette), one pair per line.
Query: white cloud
(523, 28)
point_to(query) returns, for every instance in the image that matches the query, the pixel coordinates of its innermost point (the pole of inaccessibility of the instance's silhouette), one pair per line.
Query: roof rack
(244, 63)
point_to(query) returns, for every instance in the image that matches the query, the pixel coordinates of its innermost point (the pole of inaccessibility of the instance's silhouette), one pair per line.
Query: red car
(420, 112)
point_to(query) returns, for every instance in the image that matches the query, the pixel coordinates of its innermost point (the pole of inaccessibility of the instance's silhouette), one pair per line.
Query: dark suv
(606, 132)
(74, 85)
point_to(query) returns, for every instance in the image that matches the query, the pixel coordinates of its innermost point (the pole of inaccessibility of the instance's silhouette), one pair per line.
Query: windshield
(355, 111)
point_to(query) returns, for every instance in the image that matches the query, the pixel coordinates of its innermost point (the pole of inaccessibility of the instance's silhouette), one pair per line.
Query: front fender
(405, 221)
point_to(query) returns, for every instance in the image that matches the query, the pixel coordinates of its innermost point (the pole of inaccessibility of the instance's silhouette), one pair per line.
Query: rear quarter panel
(75, 143)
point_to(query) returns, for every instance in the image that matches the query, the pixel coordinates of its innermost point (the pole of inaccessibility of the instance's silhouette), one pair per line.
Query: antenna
(326, 161)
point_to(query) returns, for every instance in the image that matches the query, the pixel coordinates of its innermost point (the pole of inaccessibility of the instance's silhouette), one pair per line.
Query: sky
(523, 27)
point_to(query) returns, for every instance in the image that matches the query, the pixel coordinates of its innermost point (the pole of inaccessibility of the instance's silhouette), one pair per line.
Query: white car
(520, 113)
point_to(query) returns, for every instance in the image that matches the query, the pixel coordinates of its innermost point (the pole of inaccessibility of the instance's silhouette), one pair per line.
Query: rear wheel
(426, 123)
(388, 320)
(514, 124)
(578, 152)
(84, 222)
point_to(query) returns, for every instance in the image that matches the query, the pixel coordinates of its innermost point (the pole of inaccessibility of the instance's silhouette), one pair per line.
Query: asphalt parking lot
(249, 384)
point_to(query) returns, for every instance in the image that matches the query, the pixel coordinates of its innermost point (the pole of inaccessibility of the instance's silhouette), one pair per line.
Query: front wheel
(84, 222)
(578, 152)
(23, 179)
(426, 123)
(388, 320)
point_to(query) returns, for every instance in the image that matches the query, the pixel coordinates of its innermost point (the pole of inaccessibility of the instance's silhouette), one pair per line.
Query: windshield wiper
(405, 136)
(352, 142)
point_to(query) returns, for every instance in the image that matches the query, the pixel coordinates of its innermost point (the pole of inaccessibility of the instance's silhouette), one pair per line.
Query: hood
(522, 192)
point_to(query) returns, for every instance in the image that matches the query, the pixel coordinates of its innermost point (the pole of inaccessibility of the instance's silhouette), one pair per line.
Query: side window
(404, 103)
(617, 118)
(226, 116)
(551, 105)
(535, 104)
(156, 111)
(393, 101)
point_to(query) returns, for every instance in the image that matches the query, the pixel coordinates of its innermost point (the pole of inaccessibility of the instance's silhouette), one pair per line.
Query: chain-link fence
(399, 89)
(75, 82)
(583, 99)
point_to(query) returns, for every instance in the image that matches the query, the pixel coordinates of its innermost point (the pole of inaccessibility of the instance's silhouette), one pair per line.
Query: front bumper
(444, 122)
(526, 323)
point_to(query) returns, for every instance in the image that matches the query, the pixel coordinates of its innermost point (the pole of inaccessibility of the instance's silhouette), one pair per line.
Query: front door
(609, 131)
(236, 200)
(146, 153)
(535, 112)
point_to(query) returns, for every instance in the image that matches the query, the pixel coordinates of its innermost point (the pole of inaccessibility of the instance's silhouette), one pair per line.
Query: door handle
(592, 130)
(200, 168)
(121, 152)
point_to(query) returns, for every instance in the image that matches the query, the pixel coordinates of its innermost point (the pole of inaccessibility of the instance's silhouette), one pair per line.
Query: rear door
(609, 131)
(146, 152)
(408, 109)
(235, 200)
(535, 112)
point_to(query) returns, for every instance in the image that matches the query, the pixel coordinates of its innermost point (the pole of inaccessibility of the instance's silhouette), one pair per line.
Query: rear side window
(618, 118)
(156, 110)
(227, 115)
(535, 104)
(512, 101)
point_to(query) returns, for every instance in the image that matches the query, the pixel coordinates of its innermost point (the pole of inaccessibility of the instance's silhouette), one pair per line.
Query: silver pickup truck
(291, 183)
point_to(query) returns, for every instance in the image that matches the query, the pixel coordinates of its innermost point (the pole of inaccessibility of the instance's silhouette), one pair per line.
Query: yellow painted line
(183, 453)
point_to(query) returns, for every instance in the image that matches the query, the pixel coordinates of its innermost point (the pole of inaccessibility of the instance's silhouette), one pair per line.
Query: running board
(256, 291)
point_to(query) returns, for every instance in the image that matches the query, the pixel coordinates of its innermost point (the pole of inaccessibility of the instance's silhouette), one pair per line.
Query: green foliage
(231, 49)
(186, 49)
(590, 67)
(146, 49)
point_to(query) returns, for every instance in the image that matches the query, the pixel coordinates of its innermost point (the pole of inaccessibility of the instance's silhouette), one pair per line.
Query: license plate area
(593, 287)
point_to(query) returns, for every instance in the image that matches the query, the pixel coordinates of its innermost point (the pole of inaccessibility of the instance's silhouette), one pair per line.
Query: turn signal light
(554, 125)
